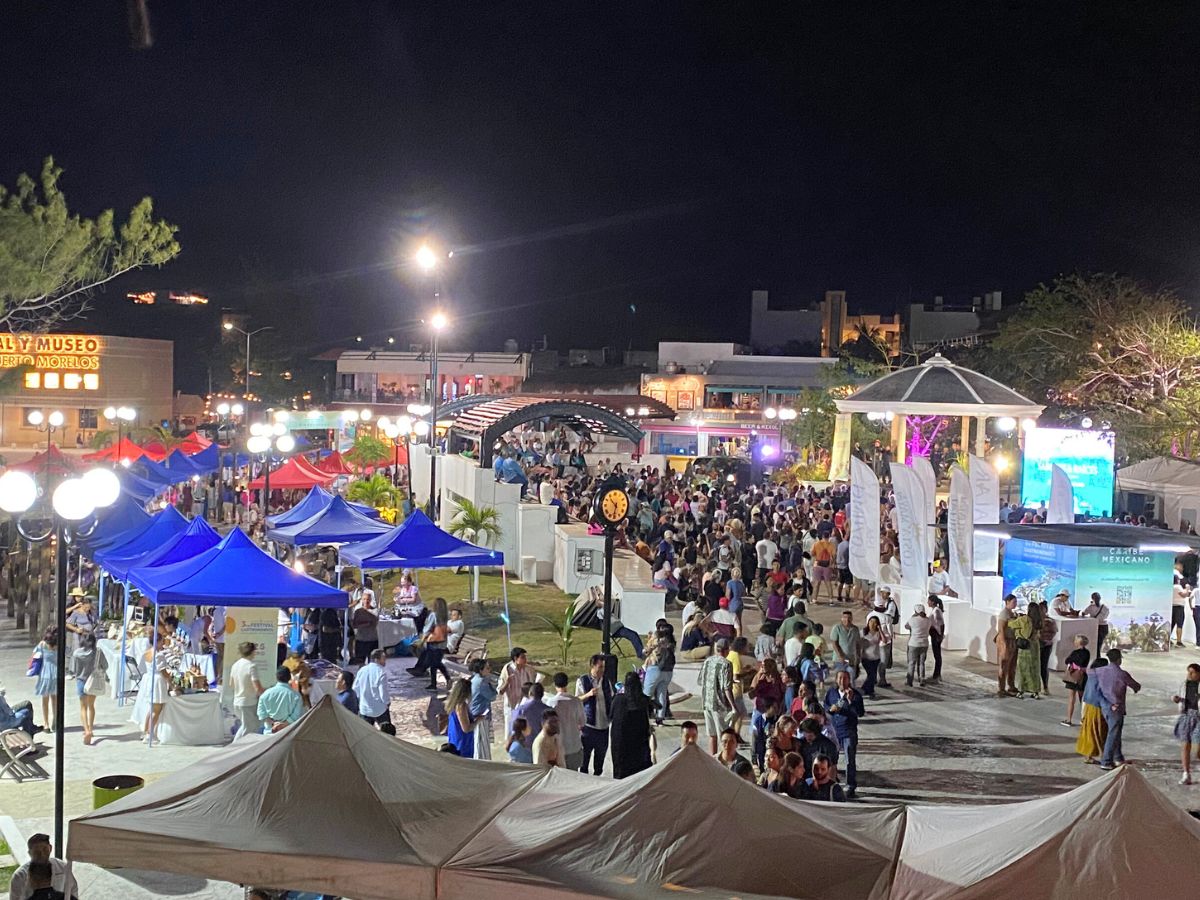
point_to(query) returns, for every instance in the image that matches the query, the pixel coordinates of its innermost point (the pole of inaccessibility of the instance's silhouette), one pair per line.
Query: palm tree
(376, 491)
(478, 524)
(368, 451)
(139, 434)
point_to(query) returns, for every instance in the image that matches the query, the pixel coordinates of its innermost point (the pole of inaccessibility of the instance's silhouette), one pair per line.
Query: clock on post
(609, 509)
(611, 506)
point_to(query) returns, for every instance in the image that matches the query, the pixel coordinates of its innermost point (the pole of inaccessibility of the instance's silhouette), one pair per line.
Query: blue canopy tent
(142, 489)
(121, 522)
(192, 541)
(157, 472)
(417, 543)
(182, 467)
(207, 460)
(165, 526)
(235, 572)
(337, 523)
(316, 500)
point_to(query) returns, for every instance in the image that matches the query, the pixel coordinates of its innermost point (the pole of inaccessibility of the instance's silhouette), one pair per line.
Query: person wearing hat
(918, 627)
(81, 617)
(722, 623)
(939, 581)
(1062, 606)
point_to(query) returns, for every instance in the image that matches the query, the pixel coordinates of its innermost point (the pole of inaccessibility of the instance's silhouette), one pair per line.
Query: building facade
(823, 326)
(81, 375)
(400, 377)
(723, 396)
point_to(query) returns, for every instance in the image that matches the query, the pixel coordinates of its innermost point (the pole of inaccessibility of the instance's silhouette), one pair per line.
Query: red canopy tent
(127, 449)
(156, 451)
(297, 472)
(50, 460)
(194, 443)
(334, 464)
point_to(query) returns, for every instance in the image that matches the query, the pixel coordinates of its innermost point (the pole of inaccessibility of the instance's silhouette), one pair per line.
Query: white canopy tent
(399, 820)
(1173, 481)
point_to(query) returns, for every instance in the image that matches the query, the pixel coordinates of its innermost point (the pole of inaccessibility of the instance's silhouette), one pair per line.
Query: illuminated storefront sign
(69, 362)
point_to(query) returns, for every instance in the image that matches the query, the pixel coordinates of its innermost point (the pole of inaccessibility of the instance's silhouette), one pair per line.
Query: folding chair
(17, 750)
(133, 675)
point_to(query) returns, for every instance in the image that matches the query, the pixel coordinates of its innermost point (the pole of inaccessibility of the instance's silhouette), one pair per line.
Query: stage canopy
(235, 572)
(337, 523)
(295, 473)
(1100, 534)
(446, 827)
(116, 559)
(416, 543)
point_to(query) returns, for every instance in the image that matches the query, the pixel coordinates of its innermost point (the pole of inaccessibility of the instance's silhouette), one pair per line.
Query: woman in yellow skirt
(1093, 729)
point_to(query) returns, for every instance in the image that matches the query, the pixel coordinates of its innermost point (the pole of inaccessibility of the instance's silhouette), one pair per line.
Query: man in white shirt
(918, 628)
(1062, 606)
(793, 646)
(939, 581)
(547, 746)
(571, 720)
(766, 550)
(243, 678)
(374, 696)
(1098, 611)
(19, 888)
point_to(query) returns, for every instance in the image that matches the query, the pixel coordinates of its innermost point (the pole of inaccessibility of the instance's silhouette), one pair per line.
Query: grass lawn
(527, 603)
(6, 870)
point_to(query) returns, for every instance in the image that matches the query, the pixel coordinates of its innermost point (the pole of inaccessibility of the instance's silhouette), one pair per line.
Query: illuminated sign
(1087, 458)
(59, 361)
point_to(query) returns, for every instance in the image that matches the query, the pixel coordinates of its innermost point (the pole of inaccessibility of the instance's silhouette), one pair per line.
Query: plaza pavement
(955, 742)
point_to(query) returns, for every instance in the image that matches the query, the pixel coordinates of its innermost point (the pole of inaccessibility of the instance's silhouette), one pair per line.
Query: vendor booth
(1165, 489)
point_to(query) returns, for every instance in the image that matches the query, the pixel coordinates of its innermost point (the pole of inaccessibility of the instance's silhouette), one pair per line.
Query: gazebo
(937, 387)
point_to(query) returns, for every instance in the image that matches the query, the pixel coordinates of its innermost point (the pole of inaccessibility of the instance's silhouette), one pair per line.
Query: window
(674, 444)
(33, 380)
(50, 381)
(88, 419)
(91, 381)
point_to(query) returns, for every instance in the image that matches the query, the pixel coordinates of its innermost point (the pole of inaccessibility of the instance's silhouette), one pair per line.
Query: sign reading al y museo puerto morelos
(57, 361)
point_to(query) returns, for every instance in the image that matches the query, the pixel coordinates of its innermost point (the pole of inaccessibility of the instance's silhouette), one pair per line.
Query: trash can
(113, 787)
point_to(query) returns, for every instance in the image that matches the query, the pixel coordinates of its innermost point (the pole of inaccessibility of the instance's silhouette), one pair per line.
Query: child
(518, 750)
(1187, 726)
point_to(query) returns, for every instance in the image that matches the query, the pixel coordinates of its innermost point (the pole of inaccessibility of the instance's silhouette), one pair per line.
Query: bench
(470, 648)
(17, 753)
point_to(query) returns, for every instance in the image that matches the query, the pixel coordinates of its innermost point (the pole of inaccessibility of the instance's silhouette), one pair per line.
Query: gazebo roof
(939, 387)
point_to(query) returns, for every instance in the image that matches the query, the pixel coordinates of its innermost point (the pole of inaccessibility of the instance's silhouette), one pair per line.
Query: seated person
(721, 623)
(695, 644)
(301, 675)
(457, 628)
(20, 716)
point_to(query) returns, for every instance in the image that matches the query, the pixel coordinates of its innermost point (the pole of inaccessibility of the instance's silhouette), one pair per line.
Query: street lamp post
(229, 326)
(66, 512)
(225, 410)
(781, 414)
(427, 260)
(120, 415)
(263, 438)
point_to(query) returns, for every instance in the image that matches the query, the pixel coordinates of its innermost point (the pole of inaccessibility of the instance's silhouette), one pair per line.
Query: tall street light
(781, 414)
(427, 260)
(229, 326)
(120, 415)
(64, 513)
(225, 410)
(263, 438)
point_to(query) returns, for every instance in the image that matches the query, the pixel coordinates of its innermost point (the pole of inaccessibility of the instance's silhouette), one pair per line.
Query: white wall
(460, 476)
(690, 353)
(927, 326)
(537, 536)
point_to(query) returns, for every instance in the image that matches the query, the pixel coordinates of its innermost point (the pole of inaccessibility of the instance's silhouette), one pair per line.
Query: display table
(135, 649)
(205, 662)
(189, 719)
(393, 631)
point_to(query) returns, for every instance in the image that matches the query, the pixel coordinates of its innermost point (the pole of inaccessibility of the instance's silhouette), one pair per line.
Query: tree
(369, 450)
(52, 261)
(1105, 346)
(478, 524)
(376, 491)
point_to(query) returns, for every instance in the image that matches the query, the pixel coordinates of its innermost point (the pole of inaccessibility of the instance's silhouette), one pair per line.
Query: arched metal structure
(462, 404)
(488, 421)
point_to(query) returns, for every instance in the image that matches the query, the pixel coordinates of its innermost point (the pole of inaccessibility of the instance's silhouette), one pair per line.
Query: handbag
(35, 665)
(97, 683)
(1023, 643)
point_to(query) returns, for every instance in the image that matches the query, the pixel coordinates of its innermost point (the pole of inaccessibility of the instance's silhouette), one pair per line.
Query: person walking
(937, 634)
(1076, 666)
(630, 729)
(918, 627)
(1187, 726)
(596, 694)
(845, 706)
(46, 686)
(247, 688)
(460, 729)
(571, 721)
(845, 637)
(89, 668)
(374, 695)
(1113, 683)
(716, 693)
(516, 674)
(872, 647)
(660, 653)
(1093, 730)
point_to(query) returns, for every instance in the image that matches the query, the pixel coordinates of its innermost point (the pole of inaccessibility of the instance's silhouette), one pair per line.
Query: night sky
(583, 157)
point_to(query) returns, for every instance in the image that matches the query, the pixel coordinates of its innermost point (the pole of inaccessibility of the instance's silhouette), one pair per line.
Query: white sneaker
(1185, 778)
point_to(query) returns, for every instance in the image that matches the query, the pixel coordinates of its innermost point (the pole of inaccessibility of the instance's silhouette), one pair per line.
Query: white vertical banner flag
(1061, 510)
(839, 455)
(910, 499)
(961, 527)
(921, 465)
(864, 521)
(985, 489)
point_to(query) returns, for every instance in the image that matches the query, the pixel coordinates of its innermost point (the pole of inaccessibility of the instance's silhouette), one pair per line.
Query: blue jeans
(872, 667)
(657, 686)
(632, 636)
(1113, 753)
(760, 725)
(848, 748)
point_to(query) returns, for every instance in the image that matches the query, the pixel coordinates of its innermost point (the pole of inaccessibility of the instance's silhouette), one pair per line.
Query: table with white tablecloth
(189, 719)
(393, 631)
(205, 662)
